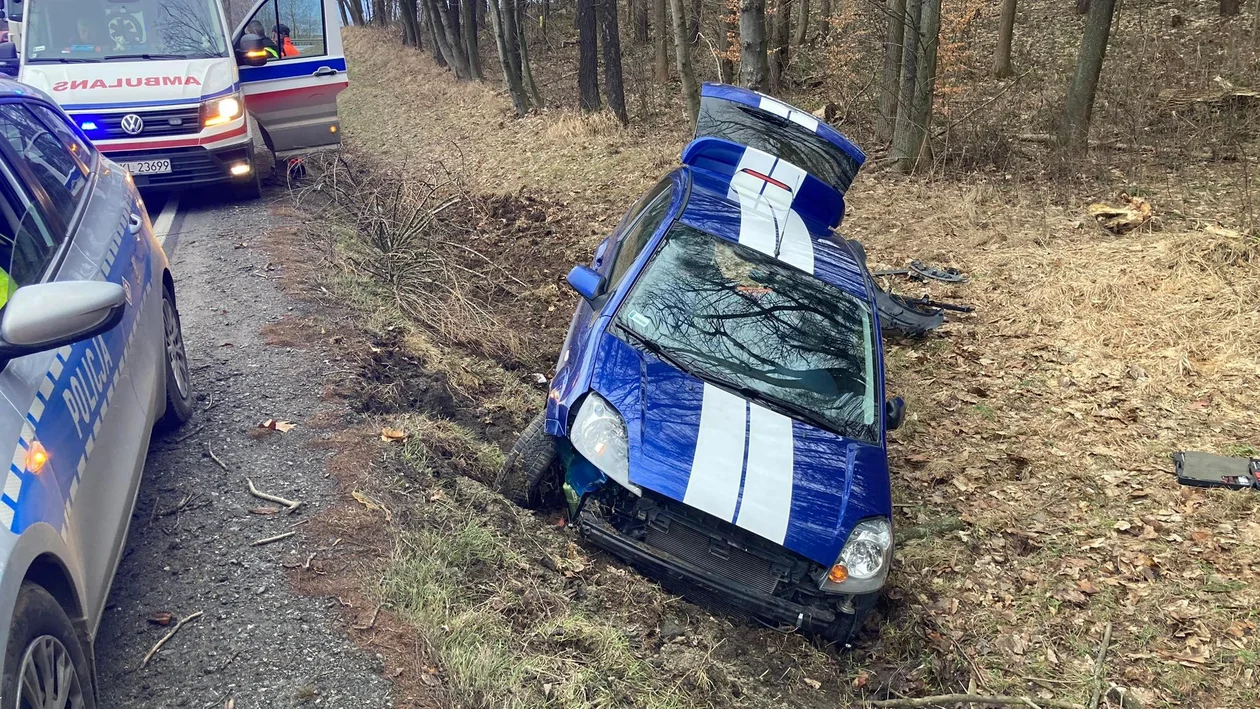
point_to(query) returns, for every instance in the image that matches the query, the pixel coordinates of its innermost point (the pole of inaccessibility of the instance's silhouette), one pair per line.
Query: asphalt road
(189, 550)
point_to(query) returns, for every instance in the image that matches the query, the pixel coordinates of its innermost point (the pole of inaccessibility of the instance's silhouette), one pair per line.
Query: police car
(718, 413)
(93, 357)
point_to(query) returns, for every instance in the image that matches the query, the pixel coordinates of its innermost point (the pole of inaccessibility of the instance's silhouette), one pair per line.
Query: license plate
(148, 167)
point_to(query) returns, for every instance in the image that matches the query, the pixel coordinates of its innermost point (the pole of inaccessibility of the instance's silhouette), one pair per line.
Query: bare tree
(824, 18)
(504, 42)
(410, 23)
(614, 87)
(891, 77)
(1073, 135)
(918, 84)
(1006, 32)
(780, 41)
(639, 11)
(690, 89)
(802, 23)
(661, 49)
(754, 70)
(693, 21)
(725, 29)
(448, 38)
(588, 56)
(469, 32)
(520, 51)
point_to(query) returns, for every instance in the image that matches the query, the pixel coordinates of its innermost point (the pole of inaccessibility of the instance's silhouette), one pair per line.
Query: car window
(651, 211)
(78, 147)
(28, 242)
(57, 171)
(300, 25)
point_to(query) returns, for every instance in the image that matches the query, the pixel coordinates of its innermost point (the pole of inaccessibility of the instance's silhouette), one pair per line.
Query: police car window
(291, 29)
(651, 212)
(54, 168)
(27, 244)
(79, 148)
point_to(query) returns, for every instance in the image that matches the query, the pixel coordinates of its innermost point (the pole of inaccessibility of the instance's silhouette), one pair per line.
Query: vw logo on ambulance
(132, 124)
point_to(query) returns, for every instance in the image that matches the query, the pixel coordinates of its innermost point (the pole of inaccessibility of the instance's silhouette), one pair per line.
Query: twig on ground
(272, 498)
(991, 700)
(371, 623)
(185, 436)
(1098, 668)
(215, 458)
(307, 564)
(168, 636)
(268, 540)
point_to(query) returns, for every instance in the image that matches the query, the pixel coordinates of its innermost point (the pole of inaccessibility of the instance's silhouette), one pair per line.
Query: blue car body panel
(748, 97)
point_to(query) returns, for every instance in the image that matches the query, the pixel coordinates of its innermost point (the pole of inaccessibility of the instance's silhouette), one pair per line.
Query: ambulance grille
(712, 554)
(157, 122)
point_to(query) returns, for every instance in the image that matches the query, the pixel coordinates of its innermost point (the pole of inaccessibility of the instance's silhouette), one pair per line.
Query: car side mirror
(13, 10)
(894, 413)
(9, 64)
(587, 282)
(251, 50)
(46, 316)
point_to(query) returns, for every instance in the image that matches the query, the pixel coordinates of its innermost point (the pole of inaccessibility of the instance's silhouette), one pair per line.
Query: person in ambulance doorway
(280, 33)
(256, 28)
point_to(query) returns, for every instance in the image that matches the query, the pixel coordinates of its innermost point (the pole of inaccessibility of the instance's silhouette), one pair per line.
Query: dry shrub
(571, 126)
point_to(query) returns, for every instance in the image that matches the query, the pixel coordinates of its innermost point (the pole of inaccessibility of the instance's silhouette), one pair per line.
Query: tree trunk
(894, 41)
(453, 12)
(1006, 32)
(726, 45)
(447, 38)
(660, 18)
(682, 52)
(614, 87)
(520, 57)
(1078, 108)
(379, 16)
(693, 21)
(903, 131)
(588, 56)
(754, 71)
(410, 23)
(925, 89)
(1230, 8)
(824, 19)
(802, 23)
(640, 9)
(469, 30)
(780, 37)
(1082, 7)
(503, 42)
(431, 27)
(341, 5)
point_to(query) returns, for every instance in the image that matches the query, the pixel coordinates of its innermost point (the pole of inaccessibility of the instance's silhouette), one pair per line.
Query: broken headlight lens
(599, 434)
(865, 559)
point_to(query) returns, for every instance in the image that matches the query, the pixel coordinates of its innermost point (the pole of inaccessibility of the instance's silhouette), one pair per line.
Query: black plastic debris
(1209, 470)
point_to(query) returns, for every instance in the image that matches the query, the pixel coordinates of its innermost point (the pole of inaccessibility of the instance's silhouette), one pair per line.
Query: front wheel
(44, 664)
(529, 477)
(179, 397)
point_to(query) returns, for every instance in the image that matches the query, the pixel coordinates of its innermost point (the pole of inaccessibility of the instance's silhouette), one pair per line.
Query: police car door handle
(136, 223)
(325, 71)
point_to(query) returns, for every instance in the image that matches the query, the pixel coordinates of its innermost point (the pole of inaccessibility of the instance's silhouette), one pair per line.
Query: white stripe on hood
(718, 464)
(767, 501)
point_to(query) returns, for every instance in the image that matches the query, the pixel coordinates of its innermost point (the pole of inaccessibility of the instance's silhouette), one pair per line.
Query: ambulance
(167, 90)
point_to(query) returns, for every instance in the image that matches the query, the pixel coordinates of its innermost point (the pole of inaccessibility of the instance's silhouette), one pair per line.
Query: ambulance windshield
(72, 31)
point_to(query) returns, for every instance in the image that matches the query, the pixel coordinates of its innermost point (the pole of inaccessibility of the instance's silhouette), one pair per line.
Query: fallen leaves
(277, 425)
(162, 618)
(1133, 212)
(372, 504)
(393, 435)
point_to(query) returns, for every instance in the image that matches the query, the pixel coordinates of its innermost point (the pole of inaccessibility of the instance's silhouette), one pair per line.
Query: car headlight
(865, 559)
(220, 110)
(599, 434)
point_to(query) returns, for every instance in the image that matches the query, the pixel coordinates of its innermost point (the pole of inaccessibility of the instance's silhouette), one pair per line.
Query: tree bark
(588, 56)
(754, 70)
(725, 29)
(1078, 108)
(520, 55)
(614, 87)
(780, 38)
(503, 42)
(682, 52)
(1082, 7)
(802, 23)
(693, 21)
(431, 27)
(453, 12)
(925, 89)
(660, 19)
(1230, 8)
(889, 91)
(410, 23)
(469, 31)
(640, 10)
(447, 38)
(903, 131)
(824, 18)
(379, 16)
(1006, 33)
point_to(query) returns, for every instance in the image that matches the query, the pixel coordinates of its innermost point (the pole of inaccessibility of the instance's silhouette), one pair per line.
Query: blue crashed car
(718, 414)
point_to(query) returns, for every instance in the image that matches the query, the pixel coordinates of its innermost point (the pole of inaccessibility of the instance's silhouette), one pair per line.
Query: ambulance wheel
(530, 477)
(44, 664)
(179, 397)
(250, 190)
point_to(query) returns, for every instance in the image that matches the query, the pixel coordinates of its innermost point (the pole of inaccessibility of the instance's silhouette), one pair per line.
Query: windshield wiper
(65, 60)
(645, 343)
(114, 57)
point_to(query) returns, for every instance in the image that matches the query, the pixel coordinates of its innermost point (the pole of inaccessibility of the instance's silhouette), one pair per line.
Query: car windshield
(742, 319)
(777, 136)
(105, 30)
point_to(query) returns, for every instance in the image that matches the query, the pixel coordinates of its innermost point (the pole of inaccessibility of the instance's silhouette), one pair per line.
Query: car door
(81, 406)
(293, 97)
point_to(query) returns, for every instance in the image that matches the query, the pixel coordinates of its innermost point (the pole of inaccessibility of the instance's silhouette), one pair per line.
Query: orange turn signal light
(257, 53)
(838, 573)
(36, 457)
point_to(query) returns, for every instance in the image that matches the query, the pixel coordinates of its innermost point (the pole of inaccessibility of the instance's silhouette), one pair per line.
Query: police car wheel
(530, 477)
(179, 397)
(44, 665)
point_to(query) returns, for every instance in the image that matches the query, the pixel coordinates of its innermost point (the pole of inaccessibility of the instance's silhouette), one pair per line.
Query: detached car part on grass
(718, 413)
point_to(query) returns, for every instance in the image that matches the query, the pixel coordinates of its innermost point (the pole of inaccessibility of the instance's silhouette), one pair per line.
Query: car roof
(711, 208)
(12, 88)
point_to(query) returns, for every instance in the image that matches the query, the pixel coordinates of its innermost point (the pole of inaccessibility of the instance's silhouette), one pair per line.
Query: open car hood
(784, 480)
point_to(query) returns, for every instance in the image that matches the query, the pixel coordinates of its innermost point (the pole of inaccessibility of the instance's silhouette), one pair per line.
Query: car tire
(179, 396)
(529, 476)
(846, 627)
(42, 641)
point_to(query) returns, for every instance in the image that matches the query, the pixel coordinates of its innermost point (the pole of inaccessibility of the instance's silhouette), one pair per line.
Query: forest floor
(1035, 497)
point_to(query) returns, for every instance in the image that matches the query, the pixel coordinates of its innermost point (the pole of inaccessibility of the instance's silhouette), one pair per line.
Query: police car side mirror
(251, 50)
(46, 316)
(894, 413)
(587, 282)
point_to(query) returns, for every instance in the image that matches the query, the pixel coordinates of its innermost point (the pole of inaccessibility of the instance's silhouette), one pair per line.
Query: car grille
(171, 121)
(712, 554)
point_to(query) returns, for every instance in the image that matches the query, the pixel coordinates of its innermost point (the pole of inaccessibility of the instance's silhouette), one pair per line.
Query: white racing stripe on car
(796, 247)
(805, 120)
(767, 500)
(776, 107)
(719, 458)
(756, 216)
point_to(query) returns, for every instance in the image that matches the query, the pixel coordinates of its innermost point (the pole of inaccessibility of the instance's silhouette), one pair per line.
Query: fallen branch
(1098, 668)
(290, 504)
(185, 436)
(994, 700)
(268, 540)
(168, 636)
(215, 458)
